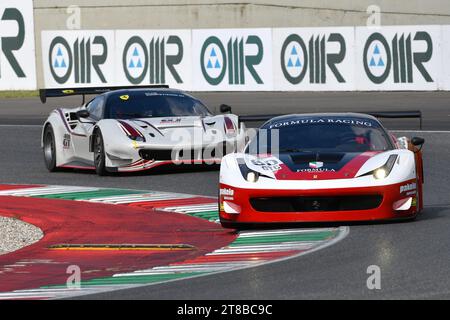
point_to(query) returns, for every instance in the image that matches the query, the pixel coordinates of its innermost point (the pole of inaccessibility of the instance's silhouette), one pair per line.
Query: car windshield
(328, 134)
(150, 104)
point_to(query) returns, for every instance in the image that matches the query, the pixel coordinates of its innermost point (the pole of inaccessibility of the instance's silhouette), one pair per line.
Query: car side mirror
(225, 108)
(82, 114)
(416, 141)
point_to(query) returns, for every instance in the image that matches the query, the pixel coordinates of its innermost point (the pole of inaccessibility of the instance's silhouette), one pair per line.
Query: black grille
(308, 204)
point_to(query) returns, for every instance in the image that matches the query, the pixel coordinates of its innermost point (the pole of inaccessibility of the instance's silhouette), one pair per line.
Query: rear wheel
(99, 154)
(49, 149)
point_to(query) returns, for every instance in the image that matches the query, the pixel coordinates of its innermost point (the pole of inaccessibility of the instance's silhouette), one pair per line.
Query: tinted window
(95, 108)
(153, 104)
(324, 134)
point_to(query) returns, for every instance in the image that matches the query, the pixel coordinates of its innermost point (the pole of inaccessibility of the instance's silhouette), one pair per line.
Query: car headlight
(131, 132)
(384, 171)
(249, 174)
(252, 176)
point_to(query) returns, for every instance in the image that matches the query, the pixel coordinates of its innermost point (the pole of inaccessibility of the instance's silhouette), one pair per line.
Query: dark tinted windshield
(149, 104)
(331, 134)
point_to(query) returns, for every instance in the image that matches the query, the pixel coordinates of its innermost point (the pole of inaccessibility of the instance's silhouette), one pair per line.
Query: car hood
(311, 165)
(167, 123)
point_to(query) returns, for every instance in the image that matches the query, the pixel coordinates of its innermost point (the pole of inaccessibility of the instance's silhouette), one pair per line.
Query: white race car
(134, 129)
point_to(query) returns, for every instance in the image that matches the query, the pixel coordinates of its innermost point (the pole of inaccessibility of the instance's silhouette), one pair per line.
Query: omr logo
(77, 59)
(10, 44)
(216, 61)
(141, 60)
(377, 57)
(60, 60)
(380, 58)
(294, 58)
(297, 58)
(136, 60)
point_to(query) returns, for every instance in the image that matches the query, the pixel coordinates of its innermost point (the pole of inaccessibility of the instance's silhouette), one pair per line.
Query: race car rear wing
(377, 114)
(52, 93)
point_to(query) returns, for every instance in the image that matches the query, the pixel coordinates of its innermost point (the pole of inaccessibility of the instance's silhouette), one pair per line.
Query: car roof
(141, 90)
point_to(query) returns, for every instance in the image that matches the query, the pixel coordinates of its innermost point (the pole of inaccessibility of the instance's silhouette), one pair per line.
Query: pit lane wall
(172, 44)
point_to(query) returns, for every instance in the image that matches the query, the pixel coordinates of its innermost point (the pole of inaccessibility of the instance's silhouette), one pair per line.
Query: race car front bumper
(255, 206)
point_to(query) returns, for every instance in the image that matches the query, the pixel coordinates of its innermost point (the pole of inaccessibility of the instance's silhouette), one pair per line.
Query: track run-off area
(413, 256)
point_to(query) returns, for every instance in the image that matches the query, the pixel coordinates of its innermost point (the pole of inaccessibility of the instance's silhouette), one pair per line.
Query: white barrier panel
(232, 59)
(78, 58)
(282, 59)
(153, 57)
(444, 83)
(398, 58)
(17, 56)
(307, 59)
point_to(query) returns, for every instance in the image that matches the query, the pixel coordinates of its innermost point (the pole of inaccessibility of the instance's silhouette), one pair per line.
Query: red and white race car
(321, 168)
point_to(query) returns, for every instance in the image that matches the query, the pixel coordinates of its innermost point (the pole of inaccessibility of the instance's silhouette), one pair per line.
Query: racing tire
(49, 149)
(99, 154)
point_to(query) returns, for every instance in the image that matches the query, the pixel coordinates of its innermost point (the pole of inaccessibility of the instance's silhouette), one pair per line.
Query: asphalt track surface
(414, 257)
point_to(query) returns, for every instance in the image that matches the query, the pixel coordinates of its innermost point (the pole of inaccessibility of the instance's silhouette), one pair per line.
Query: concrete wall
(173, 14)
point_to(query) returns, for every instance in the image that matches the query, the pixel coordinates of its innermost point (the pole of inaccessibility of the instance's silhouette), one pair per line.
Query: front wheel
(99, 154)
(49, 149)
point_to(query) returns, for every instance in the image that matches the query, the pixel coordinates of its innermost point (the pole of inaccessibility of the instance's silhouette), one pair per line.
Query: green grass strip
(19, 94)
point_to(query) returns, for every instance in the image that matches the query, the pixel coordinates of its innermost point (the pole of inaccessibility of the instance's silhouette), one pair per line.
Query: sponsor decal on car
(66, 141)
(270, 164)
(316, 170)
(363, 123)
(408, 187)
(226, 192)
(171, 120)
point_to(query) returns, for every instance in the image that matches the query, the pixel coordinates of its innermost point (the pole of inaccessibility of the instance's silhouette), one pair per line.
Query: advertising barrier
(232, 59)
(78, 58)
(398, 58)
(313, 59)
(17, 54)
(280, 59)
(144, 57)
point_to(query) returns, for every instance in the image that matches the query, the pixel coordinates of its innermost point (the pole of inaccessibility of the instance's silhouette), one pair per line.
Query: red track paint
(74, 222)
(174, 202)
(17, 186)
